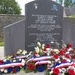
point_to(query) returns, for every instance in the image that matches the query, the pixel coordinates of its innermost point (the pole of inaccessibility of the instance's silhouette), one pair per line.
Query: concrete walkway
(2, 55)
(1, 51)
(38, 73)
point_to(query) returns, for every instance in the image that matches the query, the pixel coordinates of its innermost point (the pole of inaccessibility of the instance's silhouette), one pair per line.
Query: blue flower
(40, 68)
(9, 69)
(7, 61)
(24, 67)
(17, 69)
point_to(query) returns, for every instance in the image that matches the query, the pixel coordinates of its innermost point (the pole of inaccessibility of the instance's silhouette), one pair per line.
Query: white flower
(52, 42)
(2, 70)
(39, 44)
(24, 52)
(48, 51)
(5, 71)
(64, 46)
(43, 46)
(18, 52)
(70, 49)
(37, 49)
(68, 60)
(20, 59)
(50, 72)
(57, 59)
(67, 52)
(14, 60)
(4, 60)
(70, 67)
(63, 56)
(56, 51)
(29, 54)
(23, 62)
(63, 70)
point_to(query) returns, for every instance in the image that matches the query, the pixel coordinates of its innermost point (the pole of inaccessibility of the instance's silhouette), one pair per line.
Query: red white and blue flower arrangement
(54, 61)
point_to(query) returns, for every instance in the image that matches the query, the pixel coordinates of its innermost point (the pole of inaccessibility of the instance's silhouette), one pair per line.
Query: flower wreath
(54, 61)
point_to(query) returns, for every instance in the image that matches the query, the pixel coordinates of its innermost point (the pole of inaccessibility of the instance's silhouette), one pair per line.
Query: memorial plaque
(43, 23)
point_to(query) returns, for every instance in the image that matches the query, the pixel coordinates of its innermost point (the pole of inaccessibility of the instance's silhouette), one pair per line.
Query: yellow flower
(40, 50)
(39, 44)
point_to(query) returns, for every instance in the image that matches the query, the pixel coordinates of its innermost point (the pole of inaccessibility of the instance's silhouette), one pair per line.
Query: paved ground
(41, 73)
(1, 51)
(2, 55)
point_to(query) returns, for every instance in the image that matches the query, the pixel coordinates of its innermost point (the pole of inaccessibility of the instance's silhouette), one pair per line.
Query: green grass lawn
(1, 43)
(71, 16)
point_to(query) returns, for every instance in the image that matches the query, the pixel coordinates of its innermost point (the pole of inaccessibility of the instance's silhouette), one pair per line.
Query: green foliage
(9, 7)
(68, 3)
(1, 43)
(47, 73)
(60, 1)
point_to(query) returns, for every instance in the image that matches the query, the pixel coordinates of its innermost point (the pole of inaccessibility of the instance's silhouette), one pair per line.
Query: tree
(9, 7)
(68, 3)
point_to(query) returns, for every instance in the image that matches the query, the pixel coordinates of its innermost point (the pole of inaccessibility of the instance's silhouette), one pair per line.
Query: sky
(22, 5)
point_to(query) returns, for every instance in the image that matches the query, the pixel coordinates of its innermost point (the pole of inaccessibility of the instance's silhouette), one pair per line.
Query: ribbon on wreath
(39, 58)
(10, 65)
(62, 65)
(42, 62)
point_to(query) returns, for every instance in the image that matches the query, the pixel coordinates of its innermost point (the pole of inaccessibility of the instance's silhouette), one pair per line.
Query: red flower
(74, 48)
(69, 45)
(1, 61)
(56, 71)
(71, 72)
(63, 60)
(31, 66)
(61, 52)
(67, 56)
(47, 46)
(74, 56)
(55, 56)
(44, 49)
(14, 71)
(51, 52)
(34, 53)
(64, 49)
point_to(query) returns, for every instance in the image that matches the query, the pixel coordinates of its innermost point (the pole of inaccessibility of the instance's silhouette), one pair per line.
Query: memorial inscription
(43, 23)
